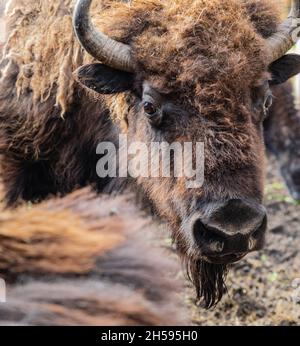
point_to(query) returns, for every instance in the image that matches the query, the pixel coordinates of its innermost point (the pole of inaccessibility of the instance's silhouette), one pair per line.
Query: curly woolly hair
(47, 58)
(208, 280)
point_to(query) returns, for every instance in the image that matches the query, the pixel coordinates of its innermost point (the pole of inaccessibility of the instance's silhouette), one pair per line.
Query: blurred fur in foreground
(86, 260)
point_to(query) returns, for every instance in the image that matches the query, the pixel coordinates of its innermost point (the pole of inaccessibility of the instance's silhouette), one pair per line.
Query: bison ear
(104, 79)
(284, 68)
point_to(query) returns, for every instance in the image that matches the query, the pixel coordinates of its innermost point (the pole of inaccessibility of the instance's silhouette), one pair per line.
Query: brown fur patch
(32, 236)
(86, 260)
(156, 29)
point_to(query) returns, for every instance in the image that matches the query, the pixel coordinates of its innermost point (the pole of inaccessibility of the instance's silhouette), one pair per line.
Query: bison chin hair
(208, 280)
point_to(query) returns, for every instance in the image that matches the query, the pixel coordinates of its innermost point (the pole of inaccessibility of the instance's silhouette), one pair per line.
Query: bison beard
(208, 280)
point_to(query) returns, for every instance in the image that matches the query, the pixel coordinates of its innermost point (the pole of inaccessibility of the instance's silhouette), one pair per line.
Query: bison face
(188, 83)
(221, 218)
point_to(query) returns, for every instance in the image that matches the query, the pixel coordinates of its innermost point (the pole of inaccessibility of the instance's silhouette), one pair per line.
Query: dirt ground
(264, 288)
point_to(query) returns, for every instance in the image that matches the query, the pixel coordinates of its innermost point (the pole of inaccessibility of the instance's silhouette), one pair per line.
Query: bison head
(196, 71)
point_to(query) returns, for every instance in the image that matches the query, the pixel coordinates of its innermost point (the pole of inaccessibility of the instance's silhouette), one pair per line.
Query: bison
(159, 70)
(86, 260)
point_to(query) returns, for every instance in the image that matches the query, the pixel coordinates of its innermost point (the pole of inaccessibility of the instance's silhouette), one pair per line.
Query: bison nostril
(257, 233)
(251, 243)
(208, 238)
(217, 246)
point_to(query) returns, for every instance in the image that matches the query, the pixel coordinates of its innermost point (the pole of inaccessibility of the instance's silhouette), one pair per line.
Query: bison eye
(267, 105)
(149, 108)
(268, 102)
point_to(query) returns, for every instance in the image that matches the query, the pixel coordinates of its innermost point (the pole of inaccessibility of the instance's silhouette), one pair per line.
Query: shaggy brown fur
(37, 79)
(208, 56)
(85, 260)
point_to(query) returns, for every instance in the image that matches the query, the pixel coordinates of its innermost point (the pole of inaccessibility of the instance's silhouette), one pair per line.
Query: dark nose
(231, 231)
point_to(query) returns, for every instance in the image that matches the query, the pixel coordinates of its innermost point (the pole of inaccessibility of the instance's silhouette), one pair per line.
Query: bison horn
(287, 34)
(110, 52)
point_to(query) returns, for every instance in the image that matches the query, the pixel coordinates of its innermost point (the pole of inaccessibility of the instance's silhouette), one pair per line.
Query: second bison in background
(170, 71)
